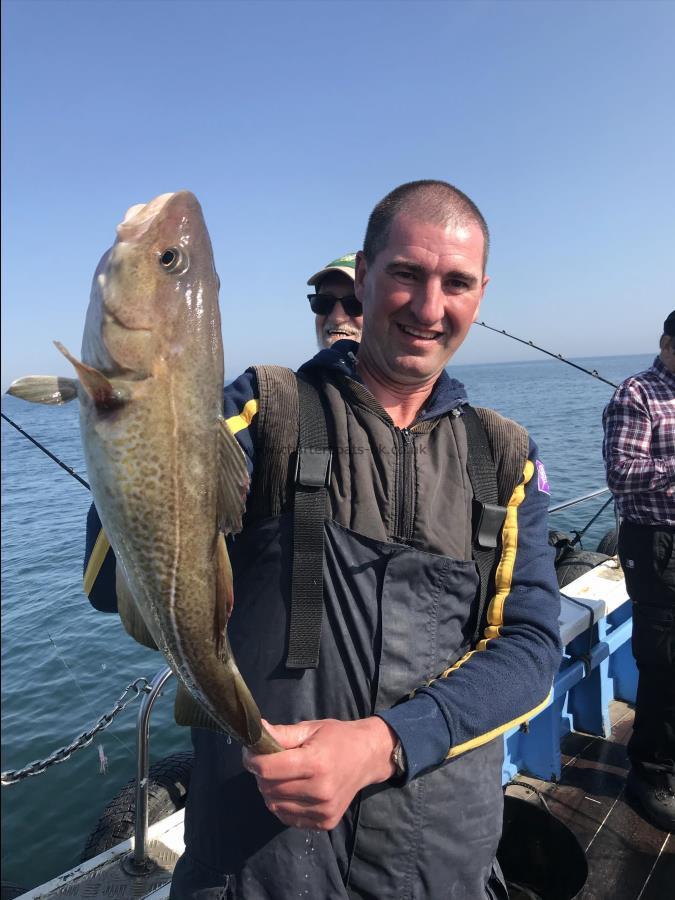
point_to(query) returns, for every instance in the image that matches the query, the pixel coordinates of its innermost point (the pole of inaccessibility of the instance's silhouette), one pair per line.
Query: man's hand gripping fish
(167, 475)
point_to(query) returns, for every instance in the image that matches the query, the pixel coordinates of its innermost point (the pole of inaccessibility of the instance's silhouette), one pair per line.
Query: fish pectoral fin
(101, 390)
(224, 599)
(48, 389)
(233, 480)
(129, 614)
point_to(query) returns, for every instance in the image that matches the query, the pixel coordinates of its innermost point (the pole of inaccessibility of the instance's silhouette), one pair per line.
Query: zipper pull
(407, 436)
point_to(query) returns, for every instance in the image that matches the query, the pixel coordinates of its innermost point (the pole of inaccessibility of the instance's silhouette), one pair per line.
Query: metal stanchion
(138, 862)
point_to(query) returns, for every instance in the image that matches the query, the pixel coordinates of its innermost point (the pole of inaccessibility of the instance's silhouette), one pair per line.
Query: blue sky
(290, 120)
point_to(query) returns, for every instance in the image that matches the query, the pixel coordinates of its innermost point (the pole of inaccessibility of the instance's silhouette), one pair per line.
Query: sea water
(64, 664)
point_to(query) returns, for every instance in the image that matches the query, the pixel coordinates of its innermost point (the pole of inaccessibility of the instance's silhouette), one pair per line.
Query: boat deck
(105, 877)
(628, 859)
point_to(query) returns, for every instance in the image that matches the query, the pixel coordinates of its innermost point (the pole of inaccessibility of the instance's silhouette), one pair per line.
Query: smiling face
(420, 295)
(337, 325)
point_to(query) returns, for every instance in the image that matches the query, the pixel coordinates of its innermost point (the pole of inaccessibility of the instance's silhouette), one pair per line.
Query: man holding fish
(360, 624)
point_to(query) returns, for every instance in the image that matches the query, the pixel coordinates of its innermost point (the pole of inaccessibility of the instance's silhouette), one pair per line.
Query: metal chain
(139, 686)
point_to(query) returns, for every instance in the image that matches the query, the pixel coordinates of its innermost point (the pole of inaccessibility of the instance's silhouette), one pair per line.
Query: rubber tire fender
(576, 563)
(562, 541)
(11, 890)
(168, 785)
(609, 544)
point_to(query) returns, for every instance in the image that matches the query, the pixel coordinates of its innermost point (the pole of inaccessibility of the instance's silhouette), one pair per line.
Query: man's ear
(360, 274)
(480, 299)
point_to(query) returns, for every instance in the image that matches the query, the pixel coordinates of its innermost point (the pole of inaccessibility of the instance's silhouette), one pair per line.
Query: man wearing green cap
(339, 314)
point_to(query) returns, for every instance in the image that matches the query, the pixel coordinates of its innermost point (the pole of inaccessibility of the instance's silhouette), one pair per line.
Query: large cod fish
(167, 475)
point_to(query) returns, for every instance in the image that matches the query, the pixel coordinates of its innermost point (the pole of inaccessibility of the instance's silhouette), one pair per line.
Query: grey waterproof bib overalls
(400, 592)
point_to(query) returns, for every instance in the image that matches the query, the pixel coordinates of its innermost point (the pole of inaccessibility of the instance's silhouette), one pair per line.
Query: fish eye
(174, 260)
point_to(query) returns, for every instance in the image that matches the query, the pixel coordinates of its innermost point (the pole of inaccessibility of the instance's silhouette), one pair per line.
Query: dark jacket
(400, 593)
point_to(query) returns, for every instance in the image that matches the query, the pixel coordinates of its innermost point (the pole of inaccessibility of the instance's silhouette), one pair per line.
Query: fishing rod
(579, 534)
(68, 469)
(548, 353)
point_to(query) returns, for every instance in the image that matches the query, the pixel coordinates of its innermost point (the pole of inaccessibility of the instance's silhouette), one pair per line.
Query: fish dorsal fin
(49, 389)
(224, 599)
(96, 384)
(233, 480)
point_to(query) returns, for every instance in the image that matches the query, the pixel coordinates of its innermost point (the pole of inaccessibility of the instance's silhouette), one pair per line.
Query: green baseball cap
(346, 264)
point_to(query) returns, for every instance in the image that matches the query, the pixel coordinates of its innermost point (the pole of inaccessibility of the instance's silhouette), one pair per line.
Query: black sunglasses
(322, 304)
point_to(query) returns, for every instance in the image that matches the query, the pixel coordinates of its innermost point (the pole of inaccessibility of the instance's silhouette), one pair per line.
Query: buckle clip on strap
(487, 519)
(312, 477)
(313, 467)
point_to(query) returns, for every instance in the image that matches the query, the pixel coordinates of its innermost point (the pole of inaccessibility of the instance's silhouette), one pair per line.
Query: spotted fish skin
(167, 475)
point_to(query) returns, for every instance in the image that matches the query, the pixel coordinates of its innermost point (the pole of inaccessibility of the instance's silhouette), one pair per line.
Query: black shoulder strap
(487, 516)
(312, 474)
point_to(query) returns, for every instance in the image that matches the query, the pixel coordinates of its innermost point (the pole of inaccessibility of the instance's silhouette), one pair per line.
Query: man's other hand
(323, 766)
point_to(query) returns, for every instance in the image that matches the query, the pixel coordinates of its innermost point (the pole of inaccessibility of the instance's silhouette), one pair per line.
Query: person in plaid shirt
(639, 453)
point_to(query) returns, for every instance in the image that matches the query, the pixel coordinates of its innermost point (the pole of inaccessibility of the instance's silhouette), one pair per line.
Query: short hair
(669, 325)
(436, 202)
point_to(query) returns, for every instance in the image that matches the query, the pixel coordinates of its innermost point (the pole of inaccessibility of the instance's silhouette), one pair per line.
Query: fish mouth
(111, 318)
(139, 218)
(129, 348)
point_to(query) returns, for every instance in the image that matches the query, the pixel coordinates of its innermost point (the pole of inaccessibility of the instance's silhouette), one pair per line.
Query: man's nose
(428, 304)
(337, 314)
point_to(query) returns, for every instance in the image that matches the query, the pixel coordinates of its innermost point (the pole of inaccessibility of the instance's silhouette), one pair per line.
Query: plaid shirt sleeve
(627, 446)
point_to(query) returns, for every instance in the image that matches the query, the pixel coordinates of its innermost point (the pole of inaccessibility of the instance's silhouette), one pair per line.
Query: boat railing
(578, 535)
(576, 500)
(138, 862)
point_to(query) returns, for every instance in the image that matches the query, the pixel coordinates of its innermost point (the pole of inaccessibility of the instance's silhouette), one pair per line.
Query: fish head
(155, 291)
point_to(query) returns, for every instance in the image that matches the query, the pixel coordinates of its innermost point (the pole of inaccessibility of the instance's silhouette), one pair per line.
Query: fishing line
(548, 353)
(68, 469)
(593, 373)
(77, 477)
(84, 696)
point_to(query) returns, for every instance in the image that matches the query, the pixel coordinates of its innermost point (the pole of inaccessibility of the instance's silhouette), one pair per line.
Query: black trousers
(648, 561)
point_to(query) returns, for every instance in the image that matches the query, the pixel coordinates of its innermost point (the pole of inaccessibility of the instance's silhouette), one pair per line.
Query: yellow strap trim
(490, 735)
(98, 554)
(245, 417)
(495, 614)
(507, 561)
(504, 573)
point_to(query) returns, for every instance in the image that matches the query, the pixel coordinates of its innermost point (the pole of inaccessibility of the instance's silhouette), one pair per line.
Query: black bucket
(540, 857)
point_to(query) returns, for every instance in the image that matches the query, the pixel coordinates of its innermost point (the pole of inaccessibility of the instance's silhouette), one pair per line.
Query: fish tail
(266, 743)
